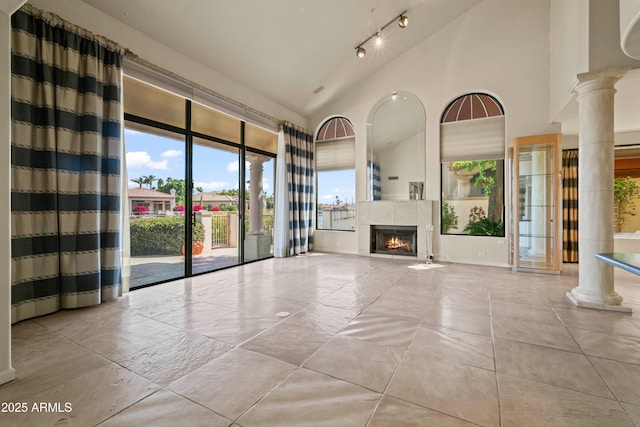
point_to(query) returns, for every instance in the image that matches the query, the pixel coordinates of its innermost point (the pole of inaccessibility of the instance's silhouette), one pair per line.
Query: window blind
(338, 154)
(478, 139)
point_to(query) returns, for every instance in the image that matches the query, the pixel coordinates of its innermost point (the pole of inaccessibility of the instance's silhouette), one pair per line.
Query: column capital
(257, 158)
(605, 79)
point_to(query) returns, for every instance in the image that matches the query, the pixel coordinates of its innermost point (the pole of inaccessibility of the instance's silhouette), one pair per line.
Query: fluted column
(257, 244)
(595, 183)
(256, 225)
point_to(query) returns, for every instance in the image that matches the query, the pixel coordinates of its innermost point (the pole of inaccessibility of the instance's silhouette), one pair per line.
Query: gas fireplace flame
(397, 244)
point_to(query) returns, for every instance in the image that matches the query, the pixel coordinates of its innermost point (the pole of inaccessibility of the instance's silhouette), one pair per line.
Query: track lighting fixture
(403, 22)
(377, 39)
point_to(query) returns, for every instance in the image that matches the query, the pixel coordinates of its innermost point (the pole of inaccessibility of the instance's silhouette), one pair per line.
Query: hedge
(161, 236)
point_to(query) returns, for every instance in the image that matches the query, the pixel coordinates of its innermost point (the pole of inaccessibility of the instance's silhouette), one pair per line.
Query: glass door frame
(189, 135)
(552, 262)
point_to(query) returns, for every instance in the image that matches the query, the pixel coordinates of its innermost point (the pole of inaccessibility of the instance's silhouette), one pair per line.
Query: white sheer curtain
(281, 226)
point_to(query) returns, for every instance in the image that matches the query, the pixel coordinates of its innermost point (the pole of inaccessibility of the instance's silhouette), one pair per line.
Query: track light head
(377, 39)
(403, 21)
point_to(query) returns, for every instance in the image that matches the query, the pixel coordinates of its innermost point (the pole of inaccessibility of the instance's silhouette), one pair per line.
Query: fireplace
(394, 240)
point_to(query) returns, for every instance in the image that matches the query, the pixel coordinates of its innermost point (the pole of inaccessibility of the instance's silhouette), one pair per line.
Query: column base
(612, 303)
(257, 246)
(7, 375)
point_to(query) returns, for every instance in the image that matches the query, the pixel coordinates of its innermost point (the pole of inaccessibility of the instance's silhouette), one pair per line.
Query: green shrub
(161, 236)
(449, 218)
(485, 227)
(625, 190)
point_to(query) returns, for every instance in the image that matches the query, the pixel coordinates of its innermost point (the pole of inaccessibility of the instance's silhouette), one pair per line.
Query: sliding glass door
(201, 186)
(156, 181)
(216, 177)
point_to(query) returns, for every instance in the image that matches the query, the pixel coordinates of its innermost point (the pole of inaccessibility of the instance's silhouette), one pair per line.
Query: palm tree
(139, 181)
(149, 180)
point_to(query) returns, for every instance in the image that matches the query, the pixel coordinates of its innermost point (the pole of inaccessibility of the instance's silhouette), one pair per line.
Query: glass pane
(535, 206)
(259, 202)
(155, 170)
(143, 100)
(336, 200)
(215, 205)
(210, 122)
(261, 139)
(473, 198)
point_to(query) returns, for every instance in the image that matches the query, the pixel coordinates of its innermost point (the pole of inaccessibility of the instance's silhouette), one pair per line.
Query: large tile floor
(367, 342)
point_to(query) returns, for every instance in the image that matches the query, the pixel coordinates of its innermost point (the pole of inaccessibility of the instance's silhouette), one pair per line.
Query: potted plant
(625, 190)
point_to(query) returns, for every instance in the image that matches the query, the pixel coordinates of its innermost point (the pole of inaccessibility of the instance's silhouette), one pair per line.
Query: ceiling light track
(403, 22)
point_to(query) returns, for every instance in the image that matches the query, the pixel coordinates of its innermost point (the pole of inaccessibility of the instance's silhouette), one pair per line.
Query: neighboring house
(154, 201)
(212, 199)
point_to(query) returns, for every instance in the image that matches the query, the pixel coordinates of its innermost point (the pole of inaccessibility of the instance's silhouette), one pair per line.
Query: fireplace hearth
(394, 240)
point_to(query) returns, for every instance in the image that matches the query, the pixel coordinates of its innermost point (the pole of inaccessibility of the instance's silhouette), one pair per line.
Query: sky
(214, 169)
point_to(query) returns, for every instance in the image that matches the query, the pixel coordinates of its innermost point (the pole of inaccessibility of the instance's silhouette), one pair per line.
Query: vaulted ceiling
(299, 53)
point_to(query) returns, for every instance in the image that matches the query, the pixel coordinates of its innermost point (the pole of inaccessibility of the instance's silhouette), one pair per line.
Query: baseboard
(7, 375)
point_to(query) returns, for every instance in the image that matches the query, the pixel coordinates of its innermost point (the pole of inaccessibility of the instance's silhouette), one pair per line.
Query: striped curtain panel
(300, 180)
(65, 166)
(570, 206)
(375, 189)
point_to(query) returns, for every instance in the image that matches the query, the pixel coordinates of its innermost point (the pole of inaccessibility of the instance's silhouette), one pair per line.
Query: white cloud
(139, 159)
(345, 190)
(235, 166)
(172, 153)
(213, 186)
(328, 197)
(131, 132)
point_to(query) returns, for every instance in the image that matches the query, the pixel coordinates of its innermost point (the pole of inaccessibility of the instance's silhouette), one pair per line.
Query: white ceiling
(286, 49)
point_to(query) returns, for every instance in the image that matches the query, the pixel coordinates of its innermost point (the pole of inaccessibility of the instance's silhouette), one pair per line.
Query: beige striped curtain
(66, 153)
(570, 206)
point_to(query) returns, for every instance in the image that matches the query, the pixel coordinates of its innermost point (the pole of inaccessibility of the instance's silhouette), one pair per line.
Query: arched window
(472, 147)
(336, 175)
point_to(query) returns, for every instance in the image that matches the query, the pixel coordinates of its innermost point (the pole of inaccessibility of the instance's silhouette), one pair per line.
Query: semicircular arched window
(335, 128)
(472, 151)
(336, 175)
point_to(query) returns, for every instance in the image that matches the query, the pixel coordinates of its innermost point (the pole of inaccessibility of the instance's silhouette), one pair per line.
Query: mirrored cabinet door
(536, 203)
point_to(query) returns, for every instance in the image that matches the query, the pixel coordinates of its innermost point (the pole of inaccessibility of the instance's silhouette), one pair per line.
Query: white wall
(629, 27)
(81, 14)
(7, 7)
(569, 50)
(605, 50)
(500, 47)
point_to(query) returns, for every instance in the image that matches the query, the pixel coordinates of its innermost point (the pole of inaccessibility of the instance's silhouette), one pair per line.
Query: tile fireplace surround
(394, 212)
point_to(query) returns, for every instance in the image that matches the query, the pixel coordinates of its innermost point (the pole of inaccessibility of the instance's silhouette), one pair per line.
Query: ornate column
(595, 161)
(256, 244)
(256, 224)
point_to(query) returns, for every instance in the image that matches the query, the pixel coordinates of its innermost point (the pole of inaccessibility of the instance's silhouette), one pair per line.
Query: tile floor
(368, 342)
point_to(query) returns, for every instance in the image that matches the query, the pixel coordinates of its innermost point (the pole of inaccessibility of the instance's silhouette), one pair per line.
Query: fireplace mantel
(392, 212)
